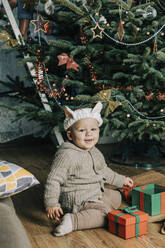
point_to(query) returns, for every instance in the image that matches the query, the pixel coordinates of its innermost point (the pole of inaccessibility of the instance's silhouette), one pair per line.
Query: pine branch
(71, 6)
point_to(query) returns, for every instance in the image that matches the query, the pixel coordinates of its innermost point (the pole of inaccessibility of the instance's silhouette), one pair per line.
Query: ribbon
(163, 200)
(65, 59)
(126, 192)
(105, 96)
(5, 37)
(128, 210)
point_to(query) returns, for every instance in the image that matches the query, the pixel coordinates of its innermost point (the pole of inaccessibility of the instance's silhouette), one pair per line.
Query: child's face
(84, 133)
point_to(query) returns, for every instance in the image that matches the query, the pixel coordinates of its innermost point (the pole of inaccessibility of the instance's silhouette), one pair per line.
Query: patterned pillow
(14, 179)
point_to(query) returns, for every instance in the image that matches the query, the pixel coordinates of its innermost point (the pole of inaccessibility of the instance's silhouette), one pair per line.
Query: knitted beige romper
(76, 184)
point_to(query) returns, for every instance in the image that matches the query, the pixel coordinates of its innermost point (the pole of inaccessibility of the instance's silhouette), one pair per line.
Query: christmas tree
(111, 51)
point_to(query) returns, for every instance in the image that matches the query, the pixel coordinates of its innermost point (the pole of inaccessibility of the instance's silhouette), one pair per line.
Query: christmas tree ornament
(150, 96)
(155, 48)
(39, 69)
(6, 40)
(49, 7)
(84, 41)
(103, 19)
(120, 28)
(161, 96)
(149, 13)
(104, 96)
(40, 24)
(65, 59)
(97, 31)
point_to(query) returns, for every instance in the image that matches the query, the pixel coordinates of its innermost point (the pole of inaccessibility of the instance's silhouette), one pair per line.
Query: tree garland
(124, 43)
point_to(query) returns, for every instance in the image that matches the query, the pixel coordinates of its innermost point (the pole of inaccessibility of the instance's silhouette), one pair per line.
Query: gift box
(128, 222)
(126, 193)
(149, 198)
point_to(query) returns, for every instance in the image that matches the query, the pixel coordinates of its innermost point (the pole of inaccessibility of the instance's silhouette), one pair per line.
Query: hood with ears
(73, 116)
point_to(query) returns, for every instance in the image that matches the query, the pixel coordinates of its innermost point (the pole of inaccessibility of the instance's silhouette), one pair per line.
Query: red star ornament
(40, 24)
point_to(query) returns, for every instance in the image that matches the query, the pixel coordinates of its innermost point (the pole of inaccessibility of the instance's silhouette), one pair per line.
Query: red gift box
(126, 193)
(128, 222)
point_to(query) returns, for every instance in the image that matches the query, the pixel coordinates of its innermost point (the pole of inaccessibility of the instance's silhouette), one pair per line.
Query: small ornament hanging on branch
(39, 69)
(97, 31)
(49, 7)
(149, 12)
(155, 48)
(121, 27)
(40, 24)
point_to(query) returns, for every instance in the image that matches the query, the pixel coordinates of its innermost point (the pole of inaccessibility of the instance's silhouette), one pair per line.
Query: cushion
(14, 179)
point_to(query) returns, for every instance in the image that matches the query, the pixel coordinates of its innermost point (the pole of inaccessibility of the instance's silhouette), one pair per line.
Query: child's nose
(88, 132)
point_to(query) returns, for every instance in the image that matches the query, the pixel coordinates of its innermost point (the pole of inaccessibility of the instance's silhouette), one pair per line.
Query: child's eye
(94, 129)
(81, 130)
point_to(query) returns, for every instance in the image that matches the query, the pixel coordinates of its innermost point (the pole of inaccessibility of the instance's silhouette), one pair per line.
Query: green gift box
(149, 198)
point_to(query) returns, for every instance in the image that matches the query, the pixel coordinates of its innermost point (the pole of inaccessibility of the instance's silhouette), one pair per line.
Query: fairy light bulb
(154, 125)
(148, 33)
(162, 34)
(161, 110)
(128, 115)
(138, 29)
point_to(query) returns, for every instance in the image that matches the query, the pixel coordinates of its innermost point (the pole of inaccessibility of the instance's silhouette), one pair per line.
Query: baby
(75, 185)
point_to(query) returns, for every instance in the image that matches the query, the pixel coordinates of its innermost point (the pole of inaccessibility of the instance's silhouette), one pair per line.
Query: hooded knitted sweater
(78, 176)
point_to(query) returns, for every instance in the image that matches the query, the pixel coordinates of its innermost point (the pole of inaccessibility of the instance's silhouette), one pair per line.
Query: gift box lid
(128, 216)
(151, 189)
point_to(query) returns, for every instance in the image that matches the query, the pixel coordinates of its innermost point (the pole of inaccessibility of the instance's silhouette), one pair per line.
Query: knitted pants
(94, 214)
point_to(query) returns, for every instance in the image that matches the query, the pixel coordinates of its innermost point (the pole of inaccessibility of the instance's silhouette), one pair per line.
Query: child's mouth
(88, 140)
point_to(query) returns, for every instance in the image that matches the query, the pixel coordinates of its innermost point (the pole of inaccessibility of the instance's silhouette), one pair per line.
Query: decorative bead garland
(124, 43)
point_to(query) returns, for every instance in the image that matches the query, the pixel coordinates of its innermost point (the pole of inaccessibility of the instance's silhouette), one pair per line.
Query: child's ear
(68, 112)
(69, 136)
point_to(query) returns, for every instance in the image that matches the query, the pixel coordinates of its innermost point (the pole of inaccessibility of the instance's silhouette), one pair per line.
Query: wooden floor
(36, 156)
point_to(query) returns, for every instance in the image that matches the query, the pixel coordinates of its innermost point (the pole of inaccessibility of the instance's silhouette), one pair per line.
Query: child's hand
(54, 213)
(128, 182)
